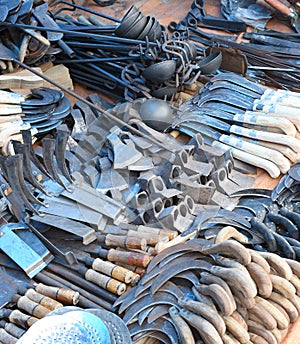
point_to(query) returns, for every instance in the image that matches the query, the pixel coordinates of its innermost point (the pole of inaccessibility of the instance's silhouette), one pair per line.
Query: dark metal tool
(290, 12)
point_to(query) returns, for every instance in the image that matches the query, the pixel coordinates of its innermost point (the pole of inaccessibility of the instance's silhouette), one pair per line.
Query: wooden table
(171, 10)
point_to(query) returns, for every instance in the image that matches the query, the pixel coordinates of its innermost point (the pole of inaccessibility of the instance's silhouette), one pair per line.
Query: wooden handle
(178, 240)
(283, 124)
(279, 6)
(105, 282)
(125, 242)
(14, 330)
(43, 300)
(113, 270)
(21, 319)
(251, 159)
(5, 337)
(60, 294)
(151, 238)
(278, 110)
(282, 99)
(171, 234)
(270, 154)
(5, 119)
(286, 151)
(131, 258)
(289, 141)
(32, 307)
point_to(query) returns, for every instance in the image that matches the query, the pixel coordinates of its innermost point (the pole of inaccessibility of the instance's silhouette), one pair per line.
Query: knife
(211, 138)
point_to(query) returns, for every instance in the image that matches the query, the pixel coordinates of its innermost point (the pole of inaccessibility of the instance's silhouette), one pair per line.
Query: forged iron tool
(270, 167)
(49, 146)
(8, 55)
(204, 121)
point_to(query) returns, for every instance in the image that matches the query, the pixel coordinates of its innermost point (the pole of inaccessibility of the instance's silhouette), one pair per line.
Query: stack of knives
(258, 124)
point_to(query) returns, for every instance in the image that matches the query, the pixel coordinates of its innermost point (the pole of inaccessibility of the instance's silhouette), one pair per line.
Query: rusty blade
(161, 325)
(188, 245)
(173, 269)
(147, 301)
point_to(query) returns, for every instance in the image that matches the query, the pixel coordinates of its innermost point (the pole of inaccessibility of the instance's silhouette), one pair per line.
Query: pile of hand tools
(216, 292)
(258, 124)
(268, 55)
(134, 58)
(40, 111)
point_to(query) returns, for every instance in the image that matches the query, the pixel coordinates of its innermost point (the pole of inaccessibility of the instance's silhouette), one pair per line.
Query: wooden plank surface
(172, 10)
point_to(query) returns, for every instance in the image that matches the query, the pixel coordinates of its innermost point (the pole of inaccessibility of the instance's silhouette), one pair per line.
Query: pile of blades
(259, 125)
(269, 55)
(40, 111)
(211, 293)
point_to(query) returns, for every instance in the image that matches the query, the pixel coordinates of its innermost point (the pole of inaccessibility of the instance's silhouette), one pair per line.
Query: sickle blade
(173, 269)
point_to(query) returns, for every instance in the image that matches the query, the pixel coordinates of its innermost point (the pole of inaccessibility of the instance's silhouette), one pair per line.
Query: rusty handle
(105, 282)
(151, 238)
(32, 307)
(279, 6)
(60, 294)
(43, 300)
(171, 234)
(113, 270)
(125, 241)
(21, 319)
(131, 258)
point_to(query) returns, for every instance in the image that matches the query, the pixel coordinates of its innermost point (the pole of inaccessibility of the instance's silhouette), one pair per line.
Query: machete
(251, 159)
(204, 124)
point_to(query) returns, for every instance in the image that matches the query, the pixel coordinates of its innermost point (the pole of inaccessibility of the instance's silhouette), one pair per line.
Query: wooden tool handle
(43, 300)
(32, 307)
(151, 238)
(21, 319)
(278, 110)
(286, 151)
(251, 159)
(14, 330)
(283, 100)
(5, 337)
(105, 282)
(113, 270)
(178, 240)
(125, 241)
(171, 234)
(276, 157)
(131, 258)
(283, 124)
(60, 294)
(265, 136)
(279, 6)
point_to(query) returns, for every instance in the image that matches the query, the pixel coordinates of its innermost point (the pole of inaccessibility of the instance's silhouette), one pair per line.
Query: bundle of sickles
(258, 124)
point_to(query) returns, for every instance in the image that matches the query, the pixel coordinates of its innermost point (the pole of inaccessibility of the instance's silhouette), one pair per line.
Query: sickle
(173, 269)
(189, 256)
(160, 325)
(174, 249)
(189, 276)
(148, 301)
(144, 314)
(157, 312)
(130, 300)
(39, 97)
